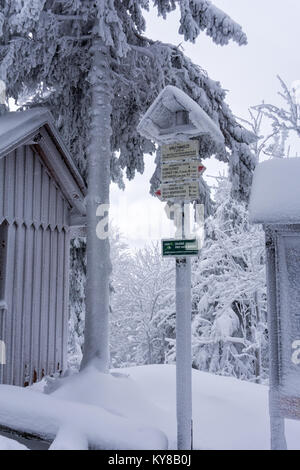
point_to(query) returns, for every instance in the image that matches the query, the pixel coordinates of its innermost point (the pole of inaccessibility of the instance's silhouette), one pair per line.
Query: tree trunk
(96, 345)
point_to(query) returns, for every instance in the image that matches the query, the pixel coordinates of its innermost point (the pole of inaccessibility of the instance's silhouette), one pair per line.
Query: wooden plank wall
(37, 268)
(3, 263)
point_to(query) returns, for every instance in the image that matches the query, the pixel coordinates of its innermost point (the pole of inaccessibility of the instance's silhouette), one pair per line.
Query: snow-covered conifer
(143, 308)
(229, 293)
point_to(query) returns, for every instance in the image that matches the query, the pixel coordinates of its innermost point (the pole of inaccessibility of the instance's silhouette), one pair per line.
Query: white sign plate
(186, 170)
(180, 151)
(182, 191)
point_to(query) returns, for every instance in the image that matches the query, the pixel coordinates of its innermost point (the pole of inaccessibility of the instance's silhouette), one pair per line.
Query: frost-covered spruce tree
(97, 72)
(229, 294)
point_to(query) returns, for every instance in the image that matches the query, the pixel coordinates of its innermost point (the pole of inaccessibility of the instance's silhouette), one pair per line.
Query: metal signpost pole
(183, 348)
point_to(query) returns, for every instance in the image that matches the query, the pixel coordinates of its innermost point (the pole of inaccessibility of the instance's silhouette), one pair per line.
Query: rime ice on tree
(93, 66)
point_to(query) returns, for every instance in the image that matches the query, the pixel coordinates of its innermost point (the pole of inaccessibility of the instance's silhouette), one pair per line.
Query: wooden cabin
(41, 198)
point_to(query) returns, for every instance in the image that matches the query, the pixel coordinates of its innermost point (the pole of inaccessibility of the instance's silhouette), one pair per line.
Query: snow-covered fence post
(275, 202)
(179, 138)
(278, 441)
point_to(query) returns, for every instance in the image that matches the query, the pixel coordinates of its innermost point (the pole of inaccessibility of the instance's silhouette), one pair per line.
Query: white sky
(247, 72)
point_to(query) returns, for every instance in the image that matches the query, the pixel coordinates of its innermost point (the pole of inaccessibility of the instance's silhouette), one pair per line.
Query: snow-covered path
(135, 408)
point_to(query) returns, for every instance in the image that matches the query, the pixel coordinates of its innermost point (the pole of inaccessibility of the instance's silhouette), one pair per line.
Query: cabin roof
(20, 127)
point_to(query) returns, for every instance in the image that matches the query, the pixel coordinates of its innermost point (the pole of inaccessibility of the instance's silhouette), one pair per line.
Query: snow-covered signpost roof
(160, 123)
(275, 202)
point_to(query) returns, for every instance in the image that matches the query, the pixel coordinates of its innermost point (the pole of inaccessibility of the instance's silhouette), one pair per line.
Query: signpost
(180, 182)
(180, 171)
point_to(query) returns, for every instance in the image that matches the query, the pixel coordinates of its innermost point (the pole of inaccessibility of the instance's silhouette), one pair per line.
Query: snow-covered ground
(134, 408)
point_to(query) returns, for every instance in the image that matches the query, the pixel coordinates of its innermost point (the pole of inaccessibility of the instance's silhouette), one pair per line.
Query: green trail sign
(180, 247)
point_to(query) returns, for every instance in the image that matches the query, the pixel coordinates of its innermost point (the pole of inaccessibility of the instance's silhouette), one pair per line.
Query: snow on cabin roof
(16, 125)
(161, 113)
(17, 128)
(275, 194)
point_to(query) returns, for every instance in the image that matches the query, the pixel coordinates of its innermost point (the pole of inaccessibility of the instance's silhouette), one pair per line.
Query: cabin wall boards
(40, 188)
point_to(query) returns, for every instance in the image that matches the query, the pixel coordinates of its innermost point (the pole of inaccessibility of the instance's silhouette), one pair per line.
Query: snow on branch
(56, 51)
(201, 15)
(283, 119)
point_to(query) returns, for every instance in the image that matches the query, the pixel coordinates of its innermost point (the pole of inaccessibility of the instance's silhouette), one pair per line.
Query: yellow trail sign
(180, 151)
(183, 191)
(186, 170)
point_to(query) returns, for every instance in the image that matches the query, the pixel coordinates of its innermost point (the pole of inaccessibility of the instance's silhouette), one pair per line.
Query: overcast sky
(247, 72)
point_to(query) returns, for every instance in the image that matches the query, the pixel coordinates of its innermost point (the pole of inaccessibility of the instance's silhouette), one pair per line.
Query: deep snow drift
(134, 408)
